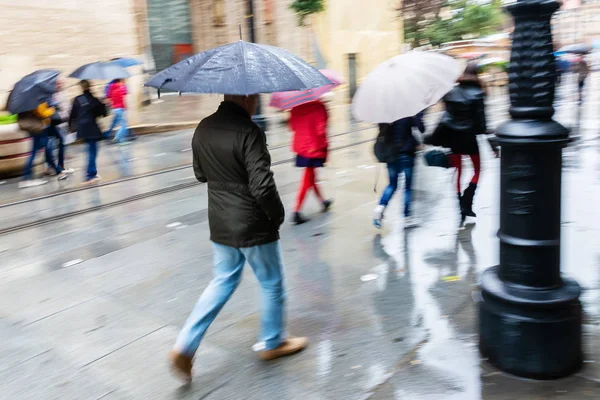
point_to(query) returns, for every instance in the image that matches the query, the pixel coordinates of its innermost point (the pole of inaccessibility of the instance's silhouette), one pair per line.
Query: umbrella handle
(163, 84)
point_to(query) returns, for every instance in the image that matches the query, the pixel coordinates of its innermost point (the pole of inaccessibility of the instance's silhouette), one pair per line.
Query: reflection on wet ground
(90, 305)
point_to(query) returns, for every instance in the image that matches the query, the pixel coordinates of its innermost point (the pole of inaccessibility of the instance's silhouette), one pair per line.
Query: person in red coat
(309, 124)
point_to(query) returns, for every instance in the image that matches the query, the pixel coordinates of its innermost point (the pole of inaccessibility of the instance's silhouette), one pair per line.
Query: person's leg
(456, 162)
(36, 145)
(267, 263)
(122, 131)
(316, 187)
(44, 137)
(476, 160)
(228, 266)
(469, 194)
(305, 184)
(92, 154)
(409, 163)
(393, 174)
(61, 148)
(113, 125)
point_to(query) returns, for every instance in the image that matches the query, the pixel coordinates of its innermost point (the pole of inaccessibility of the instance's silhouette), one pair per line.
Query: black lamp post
(258, 118)
(529, 316)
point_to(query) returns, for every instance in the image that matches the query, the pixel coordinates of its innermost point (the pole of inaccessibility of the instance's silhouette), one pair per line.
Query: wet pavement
(91, 304)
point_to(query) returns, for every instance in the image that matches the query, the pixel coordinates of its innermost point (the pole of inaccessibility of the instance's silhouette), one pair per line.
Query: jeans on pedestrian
(121, 121)
(267, 263)
(404, 163)
(39, 141)
(55, 134)
(92, 154)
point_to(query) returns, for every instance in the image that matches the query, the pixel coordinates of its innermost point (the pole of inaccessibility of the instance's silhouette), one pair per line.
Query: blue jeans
(267, 263)
(92, 154)
(39, 141)
(404, 163)
(121, 121)
(55, 134)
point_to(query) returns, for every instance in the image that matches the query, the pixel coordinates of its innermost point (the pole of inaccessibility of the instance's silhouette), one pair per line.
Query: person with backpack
(309, 123)
(396, 146)
(35, 123)
(84, 112)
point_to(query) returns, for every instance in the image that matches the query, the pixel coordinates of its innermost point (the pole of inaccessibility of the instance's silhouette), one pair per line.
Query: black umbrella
(579, 48)
(240, 68)
(32, 90)
(105, 71)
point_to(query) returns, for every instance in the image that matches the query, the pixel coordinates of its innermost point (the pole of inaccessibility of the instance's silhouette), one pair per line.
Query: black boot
(298, 219)
(466, 203)
(462, 214)
(327, 205)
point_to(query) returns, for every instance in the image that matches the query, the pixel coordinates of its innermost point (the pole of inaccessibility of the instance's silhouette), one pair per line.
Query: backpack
(385, 148)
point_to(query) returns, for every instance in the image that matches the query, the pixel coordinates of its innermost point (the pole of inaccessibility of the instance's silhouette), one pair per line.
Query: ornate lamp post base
(529, 316)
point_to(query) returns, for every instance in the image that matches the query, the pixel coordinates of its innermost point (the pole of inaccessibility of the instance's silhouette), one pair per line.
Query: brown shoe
(181, 365)
(289, 346)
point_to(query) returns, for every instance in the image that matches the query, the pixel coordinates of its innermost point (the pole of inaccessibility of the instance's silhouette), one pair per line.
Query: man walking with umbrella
(245, 211)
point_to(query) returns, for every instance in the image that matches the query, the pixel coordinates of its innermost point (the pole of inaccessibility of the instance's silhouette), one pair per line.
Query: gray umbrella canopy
(105, 71)
(32, 90)
(579, 48)
(240, 68)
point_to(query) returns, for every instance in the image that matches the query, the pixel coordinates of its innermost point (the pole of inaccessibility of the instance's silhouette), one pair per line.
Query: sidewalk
(90, 306)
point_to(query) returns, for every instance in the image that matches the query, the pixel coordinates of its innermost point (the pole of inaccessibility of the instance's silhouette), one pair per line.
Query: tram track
(138, 176)
(140, 196)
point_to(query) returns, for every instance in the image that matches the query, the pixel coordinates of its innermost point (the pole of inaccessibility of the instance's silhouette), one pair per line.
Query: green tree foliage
(455, 20)
(304, 8)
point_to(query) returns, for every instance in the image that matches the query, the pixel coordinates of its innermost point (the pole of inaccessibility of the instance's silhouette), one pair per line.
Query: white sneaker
(93, 181)
(68, 171)
(31, 183)
(410, 222)
(63, 175)
(378, 216)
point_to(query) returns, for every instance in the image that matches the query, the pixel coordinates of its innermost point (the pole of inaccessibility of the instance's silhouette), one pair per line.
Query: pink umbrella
(289, 100)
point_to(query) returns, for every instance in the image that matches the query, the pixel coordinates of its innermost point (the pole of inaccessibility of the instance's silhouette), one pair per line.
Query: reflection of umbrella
(240, 68)
(579, 48)
(32, 90)
(405, 85)
(126, 62)
(289, 100)
(104, 71)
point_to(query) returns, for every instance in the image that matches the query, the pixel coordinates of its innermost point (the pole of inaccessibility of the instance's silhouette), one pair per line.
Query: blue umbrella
(32, 90)
(105, 71)
(126, 62)
(240, 68)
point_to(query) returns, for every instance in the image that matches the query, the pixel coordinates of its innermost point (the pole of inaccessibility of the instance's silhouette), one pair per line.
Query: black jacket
(463, 120)
(86, 109)
(230, 154)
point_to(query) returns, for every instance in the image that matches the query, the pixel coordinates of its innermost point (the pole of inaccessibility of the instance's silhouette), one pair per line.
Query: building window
(218, 12)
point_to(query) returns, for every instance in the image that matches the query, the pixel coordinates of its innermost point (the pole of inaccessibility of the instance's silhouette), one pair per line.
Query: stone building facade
(65, 34)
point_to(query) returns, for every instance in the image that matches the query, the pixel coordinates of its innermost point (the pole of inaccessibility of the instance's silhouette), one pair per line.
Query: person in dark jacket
(245, 213)
(462, 121)
(84, 112)
(405, 146)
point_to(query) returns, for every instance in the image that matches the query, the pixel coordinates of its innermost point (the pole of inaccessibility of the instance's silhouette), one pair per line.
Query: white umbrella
(405, 85)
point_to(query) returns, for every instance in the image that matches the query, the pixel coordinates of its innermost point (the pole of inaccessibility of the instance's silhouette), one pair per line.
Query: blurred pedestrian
(309, 124)
(116, 94)
(245, 214)
(56, 127)
(583, 70)
(36, 122)
(462, 121)
(400, 158)
(84, 112)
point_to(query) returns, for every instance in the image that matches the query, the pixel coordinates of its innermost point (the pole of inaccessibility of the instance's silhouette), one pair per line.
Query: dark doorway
(352, 74)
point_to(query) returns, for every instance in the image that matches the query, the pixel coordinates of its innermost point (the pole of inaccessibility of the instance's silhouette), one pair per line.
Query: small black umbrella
(240, 68)
(32, 90)
(105, 71)
(579, 48)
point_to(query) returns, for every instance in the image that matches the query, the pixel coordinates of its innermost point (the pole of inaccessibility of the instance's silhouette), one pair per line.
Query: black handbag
(437, 158)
